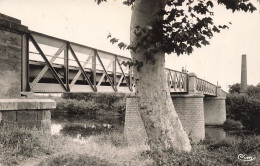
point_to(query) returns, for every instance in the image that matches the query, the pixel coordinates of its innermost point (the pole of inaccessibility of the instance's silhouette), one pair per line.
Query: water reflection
(215, 132)
(56, 128)
(82, 126)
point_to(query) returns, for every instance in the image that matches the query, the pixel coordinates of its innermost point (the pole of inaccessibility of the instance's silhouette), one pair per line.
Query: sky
(85, 22)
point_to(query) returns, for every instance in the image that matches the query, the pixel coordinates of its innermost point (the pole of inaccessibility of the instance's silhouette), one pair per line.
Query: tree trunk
(161, 121)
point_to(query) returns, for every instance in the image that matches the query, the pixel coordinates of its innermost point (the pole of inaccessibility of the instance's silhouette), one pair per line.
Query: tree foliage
(235, 88)
(185, 26)
(252, 90)
(245, 109)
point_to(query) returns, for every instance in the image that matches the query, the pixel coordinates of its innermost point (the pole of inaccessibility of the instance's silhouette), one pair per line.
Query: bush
(245, 109)
(232, 124)
(227, 142)
(103, 103)
(76, 106)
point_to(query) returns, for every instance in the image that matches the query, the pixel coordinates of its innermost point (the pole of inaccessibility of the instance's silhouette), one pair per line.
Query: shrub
(245, 109)
(76, 106)
(227, 142)
(232, 124)
(103, 103)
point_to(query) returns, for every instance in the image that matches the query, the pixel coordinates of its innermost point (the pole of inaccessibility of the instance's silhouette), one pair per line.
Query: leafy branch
(114, 40)
(179, 27)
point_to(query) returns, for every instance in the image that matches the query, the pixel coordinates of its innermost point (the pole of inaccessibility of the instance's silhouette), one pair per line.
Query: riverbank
(111, 149)
(95, 137)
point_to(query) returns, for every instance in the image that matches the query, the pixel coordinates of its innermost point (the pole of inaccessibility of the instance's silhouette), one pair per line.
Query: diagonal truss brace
(45, 68)
(130, 88)
(79, 72)
(109, 79)
(53, 71)
(82, 69)
(104, 74)
(121, 79)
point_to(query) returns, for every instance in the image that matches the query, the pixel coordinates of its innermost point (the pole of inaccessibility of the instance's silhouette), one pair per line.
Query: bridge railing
(55, 65)
(72, 67)
(206, 87)
(177, 81)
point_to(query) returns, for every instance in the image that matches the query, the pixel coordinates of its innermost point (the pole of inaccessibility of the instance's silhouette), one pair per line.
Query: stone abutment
(16, 111)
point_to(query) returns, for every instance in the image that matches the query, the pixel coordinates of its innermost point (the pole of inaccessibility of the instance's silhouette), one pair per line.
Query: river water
(85, 125)
(81, 126)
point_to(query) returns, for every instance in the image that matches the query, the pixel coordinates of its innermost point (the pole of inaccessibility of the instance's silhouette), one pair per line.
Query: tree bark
(162, 124)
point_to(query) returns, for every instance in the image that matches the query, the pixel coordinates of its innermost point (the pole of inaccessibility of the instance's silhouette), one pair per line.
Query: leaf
(109, 35)
(223, 27)
(122, 45)
(215, 29)
(176, 24)
(113, 40)
(128, 2)
(189, 50)
(209, 3)
(99, 1)
(205, 42)
(198, 45)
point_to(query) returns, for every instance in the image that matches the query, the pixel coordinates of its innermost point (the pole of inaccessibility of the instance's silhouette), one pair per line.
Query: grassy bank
(17, 145)
(209, 153)
(111, 149)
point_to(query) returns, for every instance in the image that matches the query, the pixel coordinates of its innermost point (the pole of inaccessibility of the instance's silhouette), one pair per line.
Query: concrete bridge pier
(190, 109)
(215, 109)
(16, 111)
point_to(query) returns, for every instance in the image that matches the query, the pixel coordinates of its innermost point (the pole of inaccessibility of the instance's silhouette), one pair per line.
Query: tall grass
(104, 149)
(18, 144)
(112, 149)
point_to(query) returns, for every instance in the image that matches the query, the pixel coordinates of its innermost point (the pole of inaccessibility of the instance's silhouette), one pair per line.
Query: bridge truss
(53, 65)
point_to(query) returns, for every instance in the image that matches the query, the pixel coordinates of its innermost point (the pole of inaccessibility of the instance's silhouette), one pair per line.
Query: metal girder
(94, 69)
(121, 79)
(82, 69)
(109, 79)
(178, 81)
(54, 73)
(114, 71)
(25, 64)
(79, 72)
(130, 88)
(104, 74)
(45, 68)
(66, 66)
(131, 77)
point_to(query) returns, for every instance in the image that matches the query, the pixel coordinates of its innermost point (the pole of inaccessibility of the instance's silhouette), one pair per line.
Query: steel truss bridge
(53, 65)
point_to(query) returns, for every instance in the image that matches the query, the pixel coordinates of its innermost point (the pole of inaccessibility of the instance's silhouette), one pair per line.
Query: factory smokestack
(243, 89)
